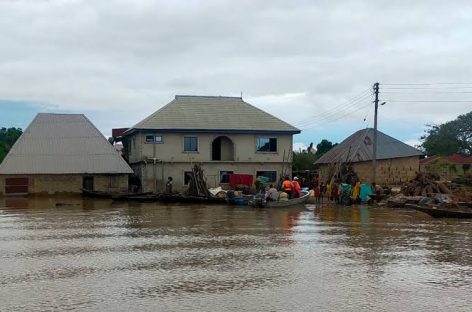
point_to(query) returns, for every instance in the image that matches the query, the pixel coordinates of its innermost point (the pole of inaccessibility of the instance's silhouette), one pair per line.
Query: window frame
(183, 143)
(267, 170)
(270, 140)
(154, 139)
(226, 172)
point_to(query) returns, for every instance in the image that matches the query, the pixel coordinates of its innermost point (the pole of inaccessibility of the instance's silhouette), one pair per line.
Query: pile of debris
(198, 184)
(425, 185)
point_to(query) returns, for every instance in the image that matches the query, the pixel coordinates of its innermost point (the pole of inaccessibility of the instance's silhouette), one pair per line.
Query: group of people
(333, 190)
(346, 193)
(290, 189)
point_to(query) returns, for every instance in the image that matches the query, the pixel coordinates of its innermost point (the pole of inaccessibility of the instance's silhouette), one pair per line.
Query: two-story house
(225, 135)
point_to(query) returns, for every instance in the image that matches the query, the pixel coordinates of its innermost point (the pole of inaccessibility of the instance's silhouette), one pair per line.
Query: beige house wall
(171, 160)
(393, 171)
(154, 176)
(51, 184)
(172, 148)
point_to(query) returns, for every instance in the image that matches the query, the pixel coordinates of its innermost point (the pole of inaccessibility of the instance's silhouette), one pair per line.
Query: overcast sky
(310, 63)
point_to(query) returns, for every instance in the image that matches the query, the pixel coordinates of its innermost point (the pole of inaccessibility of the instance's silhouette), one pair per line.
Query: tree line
(8, 137)
(452, 137)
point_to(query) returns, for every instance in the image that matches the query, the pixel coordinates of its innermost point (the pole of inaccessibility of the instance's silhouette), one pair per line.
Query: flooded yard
(99, 255)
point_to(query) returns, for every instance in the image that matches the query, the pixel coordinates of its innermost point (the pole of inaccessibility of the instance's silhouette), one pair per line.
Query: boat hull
(442, 213)
(287, 203)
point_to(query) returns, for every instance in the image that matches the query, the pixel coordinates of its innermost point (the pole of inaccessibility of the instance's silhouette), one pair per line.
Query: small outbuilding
(397, 162)
(448, 167)
(62, 153)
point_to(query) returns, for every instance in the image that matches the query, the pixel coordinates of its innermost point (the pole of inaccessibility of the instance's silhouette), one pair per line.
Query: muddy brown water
(97, 255)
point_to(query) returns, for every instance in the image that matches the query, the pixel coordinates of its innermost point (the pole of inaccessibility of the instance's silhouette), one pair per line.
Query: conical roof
(63, 144)
(359, 147)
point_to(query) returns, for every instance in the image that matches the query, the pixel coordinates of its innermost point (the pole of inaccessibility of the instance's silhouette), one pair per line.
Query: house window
(190, 144)
(266, 144)
(187, 177)
(153, 138)
(272, 175)
(224, 176)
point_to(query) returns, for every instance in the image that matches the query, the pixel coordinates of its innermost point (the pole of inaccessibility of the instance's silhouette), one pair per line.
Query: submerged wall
(51, 184)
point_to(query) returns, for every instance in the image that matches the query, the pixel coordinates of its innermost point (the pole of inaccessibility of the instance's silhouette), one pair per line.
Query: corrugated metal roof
(63, 144)
(453, 159)
(359, 147)
(187, 112)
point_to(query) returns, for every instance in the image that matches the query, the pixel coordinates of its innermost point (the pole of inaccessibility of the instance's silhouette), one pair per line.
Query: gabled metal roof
(359, 147)
(63, 144)
(208, 113)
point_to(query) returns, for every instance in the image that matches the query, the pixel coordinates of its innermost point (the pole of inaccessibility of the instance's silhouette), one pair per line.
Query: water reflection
(71, 253)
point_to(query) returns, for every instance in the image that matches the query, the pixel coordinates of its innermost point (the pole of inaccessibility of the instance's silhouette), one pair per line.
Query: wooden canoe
(291, 202)
(437, 212)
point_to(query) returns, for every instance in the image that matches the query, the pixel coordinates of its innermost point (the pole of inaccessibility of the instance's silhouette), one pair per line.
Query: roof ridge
(208, 96)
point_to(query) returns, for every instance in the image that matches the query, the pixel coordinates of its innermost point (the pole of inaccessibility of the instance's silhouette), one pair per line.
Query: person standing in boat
(287, 187)
(296, 188)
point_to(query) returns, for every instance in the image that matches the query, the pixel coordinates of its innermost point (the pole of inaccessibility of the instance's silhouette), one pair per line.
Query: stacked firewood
(424, 185)
(198, 185)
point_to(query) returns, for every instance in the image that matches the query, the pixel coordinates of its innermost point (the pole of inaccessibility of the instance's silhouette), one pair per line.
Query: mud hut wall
(443, 168)
(51, 184)
(392, 171)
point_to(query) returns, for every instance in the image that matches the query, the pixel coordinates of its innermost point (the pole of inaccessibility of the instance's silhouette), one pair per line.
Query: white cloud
(301, 61)
(298, 147)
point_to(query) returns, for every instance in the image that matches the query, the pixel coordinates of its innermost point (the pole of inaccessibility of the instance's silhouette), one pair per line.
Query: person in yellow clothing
(328, 190)
(355, 192)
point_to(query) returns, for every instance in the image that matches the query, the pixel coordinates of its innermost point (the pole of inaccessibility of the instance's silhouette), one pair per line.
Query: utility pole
(374, 157)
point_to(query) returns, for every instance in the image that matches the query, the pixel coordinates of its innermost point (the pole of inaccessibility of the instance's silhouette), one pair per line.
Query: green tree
(452, 137)
(305, 160)
(8, 137)
(323, 147)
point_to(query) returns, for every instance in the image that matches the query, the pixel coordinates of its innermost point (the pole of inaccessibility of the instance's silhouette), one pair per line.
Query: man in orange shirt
(287, 187)
(296, 188)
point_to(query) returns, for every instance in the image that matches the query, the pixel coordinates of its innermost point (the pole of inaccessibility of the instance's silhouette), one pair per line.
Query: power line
(343, 107)
(425, 93)
(422, 88)
(331, 116)
(333, 110)
(433, 101)
(427, 84)
(310, 126)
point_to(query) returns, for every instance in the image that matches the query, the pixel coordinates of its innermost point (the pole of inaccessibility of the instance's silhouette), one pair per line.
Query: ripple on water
(215, 258)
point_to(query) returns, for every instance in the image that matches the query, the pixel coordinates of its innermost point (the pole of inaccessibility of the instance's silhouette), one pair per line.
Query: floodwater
(81, 255)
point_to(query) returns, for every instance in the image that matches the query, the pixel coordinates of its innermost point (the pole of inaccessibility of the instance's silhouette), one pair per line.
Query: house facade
(397, 162)
(448, 167)
(62, 153)
(224, 135)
